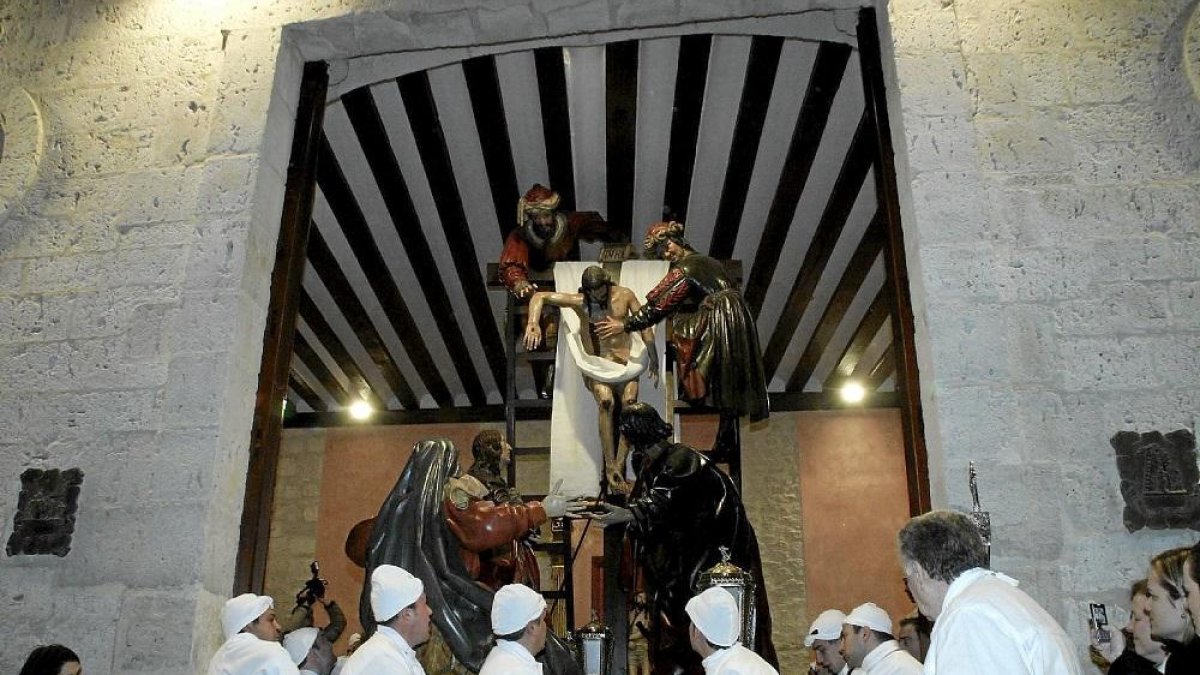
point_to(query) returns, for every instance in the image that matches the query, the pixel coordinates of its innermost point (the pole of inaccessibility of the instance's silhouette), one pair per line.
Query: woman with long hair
(1170, 621)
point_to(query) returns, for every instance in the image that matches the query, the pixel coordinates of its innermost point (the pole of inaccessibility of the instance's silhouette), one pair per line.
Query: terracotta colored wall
(855, 499)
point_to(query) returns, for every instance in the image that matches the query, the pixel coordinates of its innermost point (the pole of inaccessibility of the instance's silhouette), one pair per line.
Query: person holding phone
(1131, 650)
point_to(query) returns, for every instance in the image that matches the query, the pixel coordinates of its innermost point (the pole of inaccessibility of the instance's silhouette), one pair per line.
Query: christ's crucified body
(598, 298)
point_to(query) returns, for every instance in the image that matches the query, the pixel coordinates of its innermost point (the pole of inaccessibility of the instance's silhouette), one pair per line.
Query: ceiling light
(853, 392)
(361, 410)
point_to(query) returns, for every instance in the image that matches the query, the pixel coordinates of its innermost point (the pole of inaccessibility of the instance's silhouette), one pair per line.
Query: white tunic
(245, 654)
(736, 660)
(988, 626)
(385, 653)
(510, 658)
(889, 659)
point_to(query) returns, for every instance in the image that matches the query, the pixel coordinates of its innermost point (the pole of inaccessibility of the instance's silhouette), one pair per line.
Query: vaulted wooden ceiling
(760, 144)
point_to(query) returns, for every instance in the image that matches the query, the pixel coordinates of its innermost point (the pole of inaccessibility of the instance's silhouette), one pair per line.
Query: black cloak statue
(411, 532)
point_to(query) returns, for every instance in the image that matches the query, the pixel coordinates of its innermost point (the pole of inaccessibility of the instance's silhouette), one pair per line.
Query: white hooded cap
(241, 611)
(715, 613)
(514, 606)
(392, 589)
(828, 626)
(870, 615)
(299, 642)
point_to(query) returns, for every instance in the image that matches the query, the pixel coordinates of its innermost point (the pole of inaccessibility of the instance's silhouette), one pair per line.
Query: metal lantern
(740, 585)
(593, 647)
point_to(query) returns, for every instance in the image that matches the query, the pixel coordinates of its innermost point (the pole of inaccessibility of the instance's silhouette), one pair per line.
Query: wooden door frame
(286, 276)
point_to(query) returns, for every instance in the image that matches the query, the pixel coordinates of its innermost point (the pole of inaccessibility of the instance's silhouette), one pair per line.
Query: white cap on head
(392, 589)
(514, 606)
(828, 626)
(715, 613)
(870, 615)
(241, 611)
(299, 642)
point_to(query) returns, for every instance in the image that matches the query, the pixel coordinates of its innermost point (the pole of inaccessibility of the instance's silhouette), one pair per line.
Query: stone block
(949, 211)
(1122, 76)
(945, 143)
(224, 182)
(1032, 339)
(1183, 301)
(111, 545)
(634, 13)
(1149, 258)
(116, 410)
(961, 272)
(1117, 308)
(194, 389)
(568, 18)
(154, 634)
(1047, 273)
(1133, 22)
(923, 26)
(979, 420)
(1032, 524)
(217, 254)
(11, 273)
(1112, 364)
(80, 272)
(965, 339)
(149, 468)
(1036, 144)
(932, 84)
(507, 23)
(1126, 161)
(77, 233)
(1036, 25)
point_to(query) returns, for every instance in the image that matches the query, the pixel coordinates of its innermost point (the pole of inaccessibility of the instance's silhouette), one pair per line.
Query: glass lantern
(593, 647)
(740, 585)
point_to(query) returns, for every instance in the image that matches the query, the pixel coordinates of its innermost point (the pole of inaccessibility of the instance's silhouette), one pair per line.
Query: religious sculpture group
(467, 534)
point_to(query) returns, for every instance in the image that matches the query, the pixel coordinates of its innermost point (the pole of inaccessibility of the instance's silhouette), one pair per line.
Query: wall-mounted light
(361, 410)
(853, 392)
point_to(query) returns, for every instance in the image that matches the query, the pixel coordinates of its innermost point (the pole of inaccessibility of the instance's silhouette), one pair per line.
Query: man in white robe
(519, 624)
(983, 624)
(251, 640)
(867, 643)
(824, 638)
(398, 601)
(716, 627)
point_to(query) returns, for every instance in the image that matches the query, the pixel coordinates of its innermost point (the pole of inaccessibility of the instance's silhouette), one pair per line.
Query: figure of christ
(599, 298)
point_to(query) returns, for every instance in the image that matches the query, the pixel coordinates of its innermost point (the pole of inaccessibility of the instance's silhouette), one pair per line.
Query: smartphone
(1098, 623)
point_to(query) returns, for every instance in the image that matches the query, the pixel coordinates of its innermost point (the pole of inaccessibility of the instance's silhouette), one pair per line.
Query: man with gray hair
(983, 624)
(867, 643)
(823, 638)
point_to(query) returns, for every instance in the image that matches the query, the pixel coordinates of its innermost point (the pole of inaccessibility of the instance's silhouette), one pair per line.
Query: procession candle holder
(740, 584)
(593, 647)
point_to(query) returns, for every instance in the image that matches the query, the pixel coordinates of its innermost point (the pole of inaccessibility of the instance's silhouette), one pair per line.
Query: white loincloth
(576, 456)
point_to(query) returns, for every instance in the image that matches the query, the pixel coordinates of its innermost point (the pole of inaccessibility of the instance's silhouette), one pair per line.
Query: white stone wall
(1048, 154)
(1047, 166)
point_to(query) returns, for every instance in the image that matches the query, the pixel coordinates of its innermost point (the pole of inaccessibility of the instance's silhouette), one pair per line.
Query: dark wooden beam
(344, 205)
(251, 566)
(487, 105)
(471, 415)
(852, 280)
(556, 123)
(306, 393)
(904, 341)
(799, 401)
(752, 114)
(431, 145)
(309, 357)
(332, 343)
(620, 102)
(376, 146)
(827, 74)
(691, 78)
(868, 328)
(841, 200)
(884, 368)
(330, 273)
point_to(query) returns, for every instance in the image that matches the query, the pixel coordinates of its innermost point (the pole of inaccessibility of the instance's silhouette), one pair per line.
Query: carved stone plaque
(45, 518)
(1158, 479)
